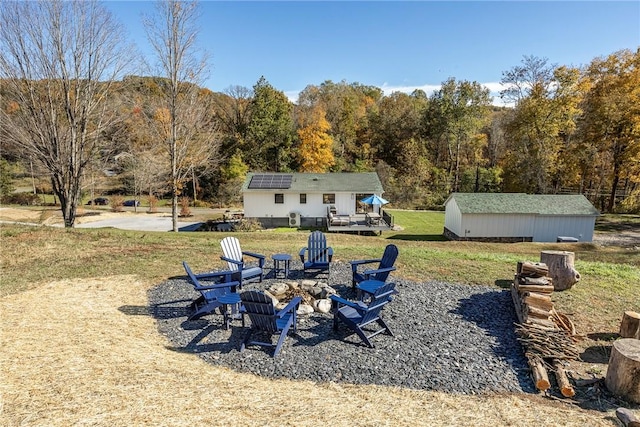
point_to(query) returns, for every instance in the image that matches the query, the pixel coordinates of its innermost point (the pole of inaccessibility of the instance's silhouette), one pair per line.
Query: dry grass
(72, 357)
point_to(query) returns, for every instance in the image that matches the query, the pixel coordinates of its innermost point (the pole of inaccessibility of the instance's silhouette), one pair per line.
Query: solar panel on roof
(268, 181)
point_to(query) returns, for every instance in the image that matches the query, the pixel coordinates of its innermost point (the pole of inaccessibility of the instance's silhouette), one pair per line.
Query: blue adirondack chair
(316, 255)
(235, 257)
(381, 273)
(207, 302)
(358, 315)
(267, 320)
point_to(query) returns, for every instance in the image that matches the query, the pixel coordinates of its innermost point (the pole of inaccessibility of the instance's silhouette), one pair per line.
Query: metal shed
(519, 217)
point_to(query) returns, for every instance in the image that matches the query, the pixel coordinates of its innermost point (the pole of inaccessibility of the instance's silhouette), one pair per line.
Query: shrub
(248, 224)
(24, 199)
(630, 205)
(44, 188)
(185, 209)
(153, 204)
(117, 203)
(201, 204)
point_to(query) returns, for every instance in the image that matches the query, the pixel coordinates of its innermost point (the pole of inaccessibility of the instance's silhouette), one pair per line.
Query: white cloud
(494, 87)
(428, 89)
(292, 95)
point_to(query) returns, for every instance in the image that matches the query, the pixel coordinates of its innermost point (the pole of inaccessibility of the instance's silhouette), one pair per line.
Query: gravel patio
(448, 337)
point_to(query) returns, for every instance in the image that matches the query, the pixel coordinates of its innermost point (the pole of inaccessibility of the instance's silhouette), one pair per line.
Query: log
(534, 280)
(630, 325)
(539, 313)
(561, 270)
(541, 289)
(566, 389)
(533, 269)
(540, 376)
(627, 418)
(623, 373)
(544, 324)
(537, 300)
(517, 303)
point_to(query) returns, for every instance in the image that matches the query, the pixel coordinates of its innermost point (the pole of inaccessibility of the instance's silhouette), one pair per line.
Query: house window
(303, 199)
(328, 199)
(279, 198)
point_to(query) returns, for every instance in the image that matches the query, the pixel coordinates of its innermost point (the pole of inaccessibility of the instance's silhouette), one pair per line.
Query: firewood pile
(547, 336)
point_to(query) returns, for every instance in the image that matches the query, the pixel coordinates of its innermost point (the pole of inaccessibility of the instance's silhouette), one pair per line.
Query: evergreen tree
(270, 132)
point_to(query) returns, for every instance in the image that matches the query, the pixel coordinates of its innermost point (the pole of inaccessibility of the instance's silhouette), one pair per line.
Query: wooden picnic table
(373, 218)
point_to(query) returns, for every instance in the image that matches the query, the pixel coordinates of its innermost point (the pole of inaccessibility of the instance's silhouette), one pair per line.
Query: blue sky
(394, 45)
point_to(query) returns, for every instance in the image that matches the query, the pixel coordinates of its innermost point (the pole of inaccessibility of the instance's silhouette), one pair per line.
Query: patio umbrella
(374, 200)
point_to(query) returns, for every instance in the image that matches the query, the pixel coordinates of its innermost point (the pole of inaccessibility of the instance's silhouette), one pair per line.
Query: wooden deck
(359, 223)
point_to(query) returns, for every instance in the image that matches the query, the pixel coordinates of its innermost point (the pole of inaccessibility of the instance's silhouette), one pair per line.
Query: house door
(362, 207)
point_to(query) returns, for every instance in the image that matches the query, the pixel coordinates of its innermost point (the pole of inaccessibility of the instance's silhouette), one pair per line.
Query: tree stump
(623, 373)
(561, 271)
(630, 325)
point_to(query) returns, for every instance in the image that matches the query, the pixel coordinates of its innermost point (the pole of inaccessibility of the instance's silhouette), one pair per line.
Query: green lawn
(32, 256)
(418, 225)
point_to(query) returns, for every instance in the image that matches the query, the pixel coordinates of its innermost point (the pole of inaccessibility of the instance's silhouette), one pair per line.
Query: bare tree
(185, 118)
(233, 112)
(59, 62)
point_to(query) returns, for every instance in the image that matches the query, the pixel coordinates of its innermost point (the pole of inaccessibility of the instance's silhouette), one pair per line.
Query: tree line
(566, 130)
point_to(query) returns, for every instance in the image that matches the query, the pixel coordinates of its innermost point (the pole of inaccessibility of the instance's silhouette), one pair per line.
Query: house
(305, 199)
(517, 217)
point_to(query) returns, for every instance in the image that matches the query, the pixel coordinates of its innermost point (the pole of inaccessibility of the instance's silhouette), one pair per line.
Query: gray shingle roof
(366, 182)
(520, 203)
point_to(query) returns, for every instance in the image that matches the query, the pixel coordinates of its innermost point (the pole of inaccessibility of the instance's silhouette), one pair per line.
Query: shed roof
(520, 203)
(365, 182)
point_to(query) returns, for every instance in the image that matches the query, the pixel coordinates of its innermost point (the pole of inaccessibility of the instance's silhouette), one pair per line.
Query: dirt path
(53, 217)
(628, 238)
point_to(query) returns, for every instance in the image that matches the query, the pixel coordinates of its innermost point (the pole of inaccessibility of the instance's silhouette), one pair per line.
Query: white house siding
(453, 218)
(345, 204)
(497, 225)
(549, 227)
(261, 204)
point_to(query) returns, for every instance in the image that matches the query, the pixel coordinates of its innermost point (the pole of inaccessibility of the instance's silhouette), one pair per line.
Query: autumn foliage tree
(566, 129)
(233, 174)
(347, 108)
(315, 152)
(611, 121)
(456, 114)
(546, 101)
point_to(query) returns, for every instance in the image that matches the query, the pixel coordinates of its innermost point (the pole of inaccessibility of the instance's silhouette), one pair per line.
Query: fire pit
(315, 295)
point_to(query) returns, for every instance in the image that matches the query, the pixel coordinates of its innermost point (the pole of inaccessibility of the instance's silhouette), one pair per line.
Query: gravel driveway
(448, 337)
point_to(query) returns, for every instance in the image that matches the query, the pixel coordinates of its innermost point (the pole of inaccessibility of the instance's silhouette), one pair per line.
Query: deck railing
(388, 218)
